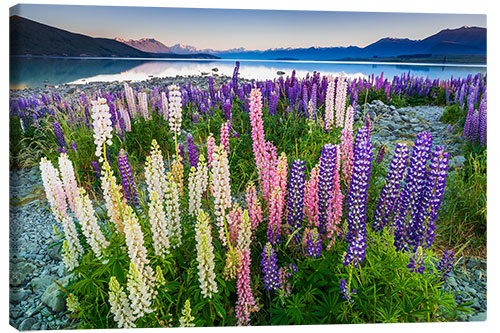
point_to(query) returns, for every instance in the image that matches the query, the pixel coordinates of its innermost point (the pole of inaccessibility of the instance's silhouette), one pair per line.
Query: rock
(280, 73)
(481, 316)
(384, 133)
(41, 283)
(19, 272)
(215, 69)
(54, 252)
(53, 297)
(18, 296)
(378, 103)
(459, 161)
(452, 281)
(27, 324)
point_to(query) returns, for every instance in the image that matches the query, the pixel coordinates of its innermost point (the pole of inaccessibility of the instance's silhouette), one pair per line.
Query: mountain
(30, 38)
(150, 45)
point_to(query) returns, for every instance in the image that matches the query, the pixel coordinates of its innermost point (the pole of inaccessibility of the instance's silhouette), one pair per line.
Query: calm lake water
(37, 72)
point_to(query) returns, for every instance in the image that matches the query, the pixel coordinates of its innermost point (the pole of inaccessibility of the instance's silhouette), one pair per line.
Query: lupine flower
(73, 146)
(245, 303)
(275, 215)
(253, 205)
(210, 148)
(102, 126)
(224, 136)
(340, 99)
(96, 168)
(417, 262)
(127, 178)
(234, 219)
(68, 180)
(346, 148)
(86, 216)
(311, 199)
(270, 268)
(186, 320)
(205, 255)
(158, 223)
(140, 294)
(197, 185)
(380, 154)
(71, 249)
(193, 154)
(120, 305)
(178, 174)
(356, 199)
(279, 177)
(325, 182)
(164, 106)
(334, 207)
(313, 244)
(172, 209)
(72, 303)
(174, 109)
(411, 193)
(329, 104)
(155, 171)
(390, 192)
(296, 190)
(221, 187)
(346, 294)
(446, 264)
(59, 134)
(113, 199)
(130, 97)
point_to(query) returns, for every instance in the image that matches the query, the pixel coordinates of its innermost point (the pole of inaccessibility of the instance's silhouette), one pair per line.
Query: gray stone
(384, 133)
(41, 283)
(459, 161)
(27, 324)
(18, 296)
(452, 281)
(19, 272)
(481, 316)
(54, 252)
(476, 304)
(54, 297)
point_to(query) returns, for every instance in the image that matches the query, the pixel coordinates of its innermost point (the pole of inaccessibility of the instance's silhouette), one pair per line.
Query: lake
(37, 72)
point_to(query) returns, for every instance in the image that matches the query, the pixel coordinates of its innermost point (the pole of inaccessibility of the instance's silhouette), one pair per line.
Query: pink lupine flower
(68, 180)
(224, 137)
(210, 149)
(53, 189)
(253, 204)
(275, 214)
(334, 213)
(311, 199)
(346, 153)
(234, 218)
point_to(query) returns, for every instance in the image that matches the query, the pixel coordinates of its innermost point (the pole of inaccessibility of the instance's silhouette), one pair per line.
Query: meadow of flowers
(283, 216)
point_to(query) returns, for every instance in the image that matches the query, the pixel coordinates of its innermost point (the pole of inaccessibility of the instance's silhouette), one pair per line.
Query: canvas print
(183, 167)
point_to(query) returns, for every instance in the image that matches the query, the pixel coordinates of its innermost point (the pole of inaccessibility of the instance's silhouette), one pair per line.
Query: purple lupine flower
(390, 192)
(180, 150)
(416, 262)
(73, 146)
(270, 268)
(346, 294)
(410, 197)
(431, 198)
(446, 264)
(462, 96)
(296, 190)
(235, 77)
(127, 178)
(482, 121)
(325, 182)
(313, 248)
(273, 103)
(380, 154)
(59, 134)
(357, 197)
(314, 100)
(192, 152)
(97, 169)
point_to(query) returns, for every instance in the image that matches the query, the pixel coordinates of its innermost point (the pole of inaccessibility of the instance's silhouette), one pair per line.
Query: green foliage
(452, 114)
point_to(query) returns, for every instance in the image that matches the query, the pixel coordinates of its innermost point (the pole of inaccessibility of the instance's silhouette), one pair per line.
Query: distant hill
(150, 45)
(30, 38)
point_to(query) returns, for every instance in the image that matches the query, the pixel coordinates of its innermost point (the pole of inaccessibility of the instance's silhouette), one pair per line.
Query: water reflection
(36, 72)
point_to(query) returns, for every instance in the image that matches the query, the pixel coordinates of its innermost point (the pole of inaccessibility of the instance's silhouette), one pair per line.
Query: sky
(222, 29)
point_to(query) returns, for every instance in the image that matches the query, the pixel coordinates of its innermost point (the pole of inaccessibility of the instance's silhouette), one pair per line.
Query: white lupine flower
(198, 181)
(164, 105)
(329, 103)
(53, 189)
(68, 180)
(113, 203)
(140, 294)
(340, 99)
(158, 226)
(186, 319)
(245, 232)
(155, 171)
(120, 306)
(90, 228)
(72, 249)
(172, 209)
(205, 255)
(102, 126)
(221, 188)
(135, 243)
(175, 109)
(130, 97)
(126, 118)
(143, 105)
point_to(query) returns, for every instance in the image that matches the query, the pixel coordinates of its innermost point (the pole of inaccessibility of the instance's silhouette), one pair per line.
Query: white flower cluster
(68, 180)
(340, 99)
(130, 97)
(120, 306)
(164, 105)
(175, 109)
(172, 208)
(72, 249)
(53, 189)
(245, 232)
(158, 226)
(102, 126)
(329, 103)
(221, 187)
(198, 181)
(90, 228)
(155, 171)
(113, 199)
(140, 293)
(143, 105)
(205, 255)
(186, 320)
